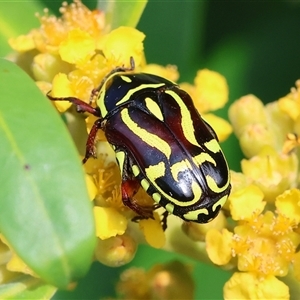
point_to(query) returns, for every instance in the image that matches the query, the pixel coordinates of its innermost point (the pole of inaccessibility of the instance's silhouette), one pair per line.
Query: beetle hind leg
(130, 186)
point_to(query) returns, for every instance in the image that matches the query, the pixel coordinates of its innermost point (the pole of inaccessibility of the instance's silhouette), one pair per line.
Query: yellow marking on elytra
(145, 184)
(180, 166)
(155, 171)
(186, 120)
(102, 94)
(204, 157)
(221, 202)
(120, 156)
(170, 207)
(213, 146)
(156, 197)
(126, 78)
(197, 191)
(135, 170)
(149, 138)
(213, 186)
(193, 214)
(154, 108)
(139, 88)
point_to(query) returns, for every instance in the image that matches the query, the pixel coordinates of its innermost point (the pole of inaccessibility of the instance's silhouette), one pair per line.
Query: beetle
(161, 143)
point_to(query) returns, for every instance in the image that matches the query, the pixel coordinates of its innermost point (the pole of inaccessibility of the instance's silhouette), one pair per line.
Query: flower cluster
(261, 238)
(256, 235)
(70, 56)
(163, 281)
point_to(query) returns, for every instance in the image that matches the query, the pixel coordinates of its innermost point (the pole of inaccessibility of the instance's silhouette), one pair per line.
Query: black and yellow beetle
(161, 143)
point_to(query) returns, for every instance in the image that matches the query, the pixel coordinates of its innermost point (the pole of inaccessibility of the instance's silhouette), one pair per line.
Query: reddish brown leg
(80, 104)
(90, 143)
(129, 187)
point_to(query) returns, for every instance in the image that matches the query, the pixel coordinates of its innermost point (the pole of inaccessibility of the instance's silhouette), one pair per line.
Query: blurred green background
(254, 44)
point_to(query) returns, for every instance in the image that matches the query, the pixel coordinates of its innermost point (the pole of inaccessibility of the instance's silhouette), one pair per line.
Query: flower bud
(45, 66)
(254, 137)
(246, 110)
(171, 281)
(273, 173)
(116, 251)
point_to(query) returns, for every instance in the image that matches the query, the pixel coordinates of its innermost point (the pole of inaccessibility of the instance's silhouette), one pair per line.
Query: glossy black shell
(174, 150)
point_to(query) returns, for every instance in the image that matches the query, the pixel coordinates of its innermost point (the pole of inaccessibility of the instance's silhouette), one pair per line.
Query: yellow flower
(122, 43)
(211, 90)
(13, 262)
(53, 30)
(109, 222)
(16, 264)
(153, 231)
(257, 125)
(254, 138)
(288, 205)
(22, 43)
(209, 93)
(250, 197)
(92, 188)
(218, 246)
(290, 104)
(296, 269)
(244, 111)
(77, 47)
(249, 286)
(168, 72)
(273, 173)
(263, 244)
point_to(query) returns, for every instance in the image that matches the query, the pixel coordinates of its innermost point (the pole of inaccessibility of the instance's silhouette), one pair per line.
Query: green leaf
(122, 12)
(45, 212)
(16, 18)
(26, 287)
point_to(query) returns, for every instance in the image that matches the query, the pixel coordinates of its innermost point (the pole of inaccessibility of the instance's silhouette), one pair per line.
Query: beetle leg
(129, 187)
(164, 220)
(90, 143)
(164, 217)
(80, 104)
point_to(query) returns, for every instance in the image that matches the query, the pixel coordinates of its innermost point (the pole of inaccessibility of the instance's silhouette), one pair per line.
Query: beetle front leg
(80, 104)
(90, 143)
